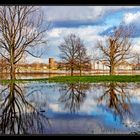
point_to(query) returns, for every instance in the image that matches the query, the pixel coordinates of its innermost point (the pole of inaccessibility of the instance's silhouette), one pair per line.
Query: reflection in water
(73, 95)
(17, 115)
(117, 99)
(80, 108)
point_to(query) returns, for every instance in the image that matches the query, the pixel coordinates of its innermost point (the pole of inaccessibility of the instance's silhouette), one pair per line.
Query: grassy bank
(92, 79)
(74, 79)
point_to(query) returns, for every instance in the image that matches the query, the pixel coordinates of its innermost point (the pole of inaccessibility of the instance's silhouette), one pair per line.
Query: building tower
(51, 63)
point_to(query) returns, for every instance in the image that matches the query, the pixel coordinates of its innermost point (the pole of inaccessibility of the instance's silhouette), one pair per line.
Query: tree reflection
(17, 115)
(117, 98)
(73, 95)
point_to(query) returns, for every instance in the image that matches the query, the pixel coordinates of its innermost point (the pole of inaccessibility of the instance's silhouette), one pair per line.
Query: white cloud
(31, 59)
(55, 33)
(130, 18)
(86, 33)
(55, 107)
(80, 13)
(136, 46)
(89, 34)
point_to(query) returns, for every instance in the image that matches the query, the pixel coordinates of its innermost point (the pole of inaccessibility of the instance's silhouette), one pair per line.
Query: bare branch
(20, 29)
(117, 48)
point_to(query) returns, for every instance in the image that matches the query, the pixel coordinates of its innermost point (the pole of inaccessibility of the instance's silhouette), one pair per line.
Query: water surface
(81, 108)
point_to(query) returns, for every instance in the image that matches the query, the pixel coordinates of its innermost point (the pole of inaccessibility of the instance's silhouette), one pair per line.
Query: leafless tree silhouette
(116, 48)
(73, 53)
(21, 30)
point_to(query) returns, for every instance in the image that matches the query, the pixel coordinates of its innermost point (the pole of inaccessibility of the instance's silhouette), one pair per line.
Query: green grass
(86, 79)
(93, 79)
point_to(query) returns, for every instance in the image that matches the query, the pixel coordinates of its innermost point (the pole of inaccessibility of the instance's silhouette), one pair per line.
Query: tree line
(114, 51)
(22, 31)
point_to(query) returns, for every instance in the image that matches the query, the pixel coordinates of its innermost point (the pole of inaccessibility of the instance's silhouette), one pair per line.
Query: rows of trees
(114, 51)
(22, 30)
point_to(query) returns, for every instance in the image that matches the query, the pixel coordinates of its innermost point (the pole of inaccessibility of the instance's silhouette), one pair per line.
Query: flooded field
(81, 108)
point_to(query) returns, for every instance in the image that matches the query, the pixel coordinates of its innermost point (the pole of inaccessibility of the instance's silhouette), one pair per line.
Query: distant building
(34, 67)
(124, 66)
(136, 66)
(52, 63)
(101, 65)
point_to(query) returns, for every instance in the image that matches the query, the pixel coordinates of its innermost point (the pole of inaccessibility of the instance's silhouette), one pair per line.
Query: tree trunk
(12, 65)
(80, 71)
(71, 71)
(111, 72)
(80, 67)
(12, 71)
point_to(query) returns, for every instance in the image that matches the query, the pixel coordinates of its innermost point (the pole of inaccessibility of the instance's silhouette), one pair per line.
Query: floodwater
(81, 108)
(31, 76)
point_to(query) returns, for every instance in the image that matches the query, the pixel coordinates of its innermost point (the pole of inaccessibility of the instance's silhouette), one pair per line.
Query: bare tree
(116, 48)
(83, 58)
(136, 59)
(20, 30)
(70, 49)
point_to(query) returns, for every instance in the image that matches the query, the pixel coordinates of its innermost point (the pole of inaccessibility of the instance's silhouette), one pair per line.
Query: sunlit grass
(92, 79)
(87, 79)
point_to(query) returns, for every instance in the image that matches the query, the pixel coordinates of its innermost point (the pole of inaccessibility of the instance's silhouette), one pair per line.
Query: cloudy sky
(91, 23)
